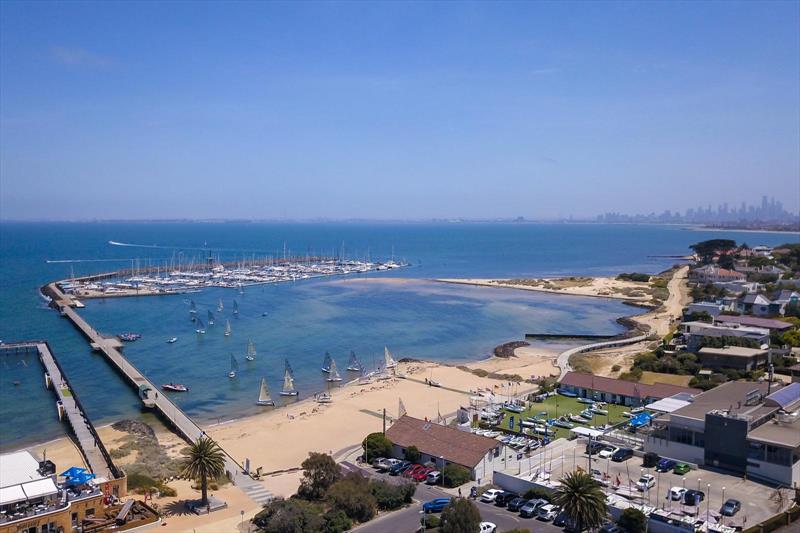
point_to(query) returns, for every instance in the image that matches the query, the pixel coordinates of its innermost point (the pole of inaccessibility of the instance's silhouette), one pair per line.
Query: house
(756, 304)
(756, 322)
(619, 391)
(736, 357)
(714, 273)
(784, 299)
(739, 286)
(443, 445)
(710, 308)
(695, 333)
(742, 427)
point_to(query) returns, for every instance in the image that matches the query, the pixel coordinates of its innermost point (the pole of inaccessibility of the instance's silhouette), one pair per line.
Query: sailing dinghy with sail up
(263, 394)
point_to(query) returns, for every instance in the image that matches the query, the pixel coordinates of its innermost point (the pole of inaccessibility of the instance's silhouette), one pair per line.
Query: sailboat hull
(292, 393)
(265, 402)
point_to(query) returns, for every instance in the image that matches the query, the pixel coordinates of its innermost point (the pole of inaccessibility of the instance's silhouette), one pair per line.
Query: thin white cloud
(78, 57)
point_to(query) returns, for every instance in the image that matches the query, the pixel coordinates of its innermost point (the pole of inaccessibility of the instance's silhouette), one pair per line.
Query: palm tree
(203, 459)
(582, 500)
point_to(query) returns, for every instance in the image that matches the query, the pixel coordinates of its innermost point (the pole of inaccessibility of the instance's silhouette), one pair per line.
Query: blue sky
(395, 110)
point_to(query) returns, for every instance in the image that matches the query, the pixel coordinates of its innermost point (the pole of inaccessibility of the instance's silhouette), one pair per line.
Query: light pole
(442, 458)
(722, 518)
(708, 502)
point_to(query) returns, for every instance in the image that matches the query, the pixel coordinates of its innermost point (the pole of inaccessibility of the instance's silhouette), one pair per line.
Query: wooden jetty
(97, 458)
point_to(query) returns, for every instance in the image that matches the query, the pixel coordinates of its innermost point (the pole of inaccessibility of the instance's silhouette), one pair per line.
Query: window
(700, 439)
(778, 456)
(680, 435)
(755, 450)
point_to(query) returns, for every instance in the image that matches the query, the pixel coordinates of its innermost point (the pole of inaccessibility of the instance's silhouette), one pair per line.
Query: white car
(487, 527)
(547, 512)
(607, 452)
(379, 463)
(388, 463)
(490, 495)
(676, 493)
(646, 482)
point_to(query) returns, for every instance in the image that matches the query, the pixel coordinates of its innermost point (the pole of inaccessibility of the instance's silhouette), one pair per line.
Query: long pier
(148, 392)
(97, 458)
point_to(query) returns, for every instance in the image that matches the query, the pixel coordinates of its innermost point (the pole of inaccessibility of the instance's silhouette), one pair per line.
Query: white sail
(234, 367)
(227, 328)
(235, 308)
(288, 384)
(220, 306)
(210, 318)
(326, 363)
(388, 360)
(251, 350)
(334, 372)
(263, 394)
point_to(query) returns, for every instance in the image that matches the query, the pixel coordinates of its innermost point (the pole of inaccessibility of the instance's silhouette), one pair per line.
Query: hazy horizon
(395, 111)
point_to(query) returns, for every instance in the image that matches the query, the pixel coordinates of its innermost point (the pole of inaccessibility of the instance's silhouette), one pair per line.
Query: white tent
(12, 494)
(39, 488)
(586, 432)
(667, 405)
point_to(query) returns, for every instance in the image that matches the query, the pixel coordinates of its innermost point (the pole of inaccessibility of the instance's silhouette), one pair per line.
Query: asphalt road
(408, 519)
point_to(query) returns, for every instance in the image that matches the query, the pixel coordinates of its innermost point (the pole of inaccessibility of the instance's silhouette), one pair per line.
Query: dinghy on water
(227, 328)
(288, 382)
(354, 365)
(210, 318)
(192, 310)
(234, 367)
(173, 340)
(175, 387)
(334, 374)
(235, 308)
(201, 328)
(220, 306)
(263, 394)
(251, 351)
(326, 363)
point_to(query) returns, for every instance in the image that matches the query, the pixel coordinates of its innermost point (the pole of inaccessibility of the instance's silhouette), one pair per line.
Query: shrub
(616, 368)
(430, 521)
(352, 495)
(412, 454)
(634, 276)
(320, 471)
(336, 522)
(455, 475)
(534, 493)
(633, 521)
(389, 496)
(460, 516)
(290, 516)
(376, 445)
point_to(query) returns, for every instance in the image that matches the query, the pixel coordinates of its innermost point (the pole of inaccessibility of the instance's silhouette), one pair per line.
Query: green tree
(390, 496)
(202, 460)
(455, 475)
(633, 521)
(320, 471)
(581, 498)
(376, 445)
(290, 516)
(461, 516)
(353, 497)
(412, 454)
(706, 249)
(336, 522)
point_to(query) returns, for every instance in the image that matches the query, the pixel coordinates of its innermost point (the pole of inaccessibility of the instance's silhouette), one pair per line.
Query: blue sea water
(416, 317)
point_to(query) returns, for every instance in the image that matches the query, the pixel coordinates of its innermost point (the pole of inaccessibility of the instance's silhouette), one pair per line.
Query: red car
(413, 470)
(421, 474)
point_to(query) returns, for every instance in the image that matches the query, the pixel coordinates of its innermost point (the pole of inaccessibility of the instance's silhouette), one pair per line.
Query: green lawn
(558, 405)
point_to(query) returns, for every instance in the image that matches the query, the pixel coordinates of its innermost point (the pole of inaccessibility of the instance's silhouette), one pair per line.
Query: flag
(401, 409)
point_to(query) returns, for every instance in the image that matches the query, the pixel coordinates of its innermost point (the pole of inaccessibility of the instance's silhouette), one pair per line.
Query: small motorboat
(585, 400)
(175, 387)
(173, 340)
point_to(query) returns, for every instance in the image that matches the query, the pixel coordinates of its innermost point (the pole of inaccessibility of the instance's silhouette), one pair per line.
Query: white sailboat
(220, 306)
(263, 394)
(235, 308)
(334, 373)
(227, 328)
(388, 360)
(354, 365)
(234, 367)
(201, 328)
(210, 318)
(251, 351)
(288, 383)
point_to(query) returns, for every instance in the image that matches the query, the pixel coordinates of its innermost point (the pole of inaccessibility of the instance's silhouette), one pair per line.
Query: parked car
(487, 527)
(646, 482)
(693, 497)
(388, 464)
(594, 447)
(547, 512)
(530, 509)
(490, 495)
(676, 493)
(516, 504)
(665, 465)
(399, 468)
(561, 519)
(681, 468)
(435, 506)
(607, 451)
(504, 497)
(650, 459)
(730, 507)
(379, 462)
(622, 454)
(422, 474)
(433, 477)
(610, 527)
(409, 472)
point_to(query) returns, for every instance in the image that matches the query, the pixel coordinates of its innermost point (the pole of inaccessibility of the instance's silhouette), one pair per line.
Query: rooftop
(735, 397)
(18, 467)
(778, 432)
(733, 351)
(730, 327)
(624, 388)
(744, 320)
(456, 446)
